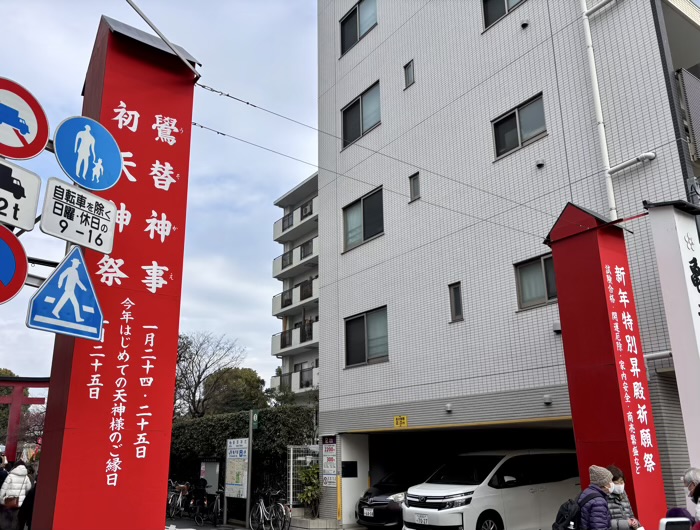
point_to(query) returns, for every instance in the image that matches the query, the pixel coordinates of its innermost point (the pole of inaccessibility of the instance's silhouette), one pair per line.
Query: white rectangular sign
(677, 248)
(19, 196)
(73, 214)
(329, 481)
(236, 468)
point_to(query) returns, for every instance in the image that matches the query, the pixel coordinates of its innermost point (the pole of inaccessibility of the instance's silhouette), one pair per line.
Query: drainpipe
(632, 161)
(602, 138)
(658, 355)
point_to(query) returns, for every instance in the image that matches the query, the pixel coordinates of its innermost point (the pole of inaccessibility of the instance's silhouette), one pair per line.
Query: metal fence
(299, 457)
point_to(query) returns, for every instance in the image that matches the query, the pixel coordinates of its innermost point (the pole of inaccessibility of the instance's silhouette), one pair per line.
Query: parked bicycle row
(193, 500)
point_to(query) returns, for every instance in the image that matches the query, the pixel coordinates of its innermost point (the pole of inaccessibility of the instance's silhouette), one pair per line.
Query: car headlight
(459, 500)
(397, 497)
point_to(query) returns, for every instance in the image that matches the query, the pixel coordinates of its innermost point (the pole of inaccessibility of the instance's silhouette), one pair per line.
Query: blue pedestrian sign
(66, 303)
(88, 153)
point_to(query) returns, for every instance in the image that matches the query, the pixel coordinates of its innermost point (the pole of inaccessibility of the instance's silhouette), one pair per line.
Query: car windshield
(468, 470)
(402, 478)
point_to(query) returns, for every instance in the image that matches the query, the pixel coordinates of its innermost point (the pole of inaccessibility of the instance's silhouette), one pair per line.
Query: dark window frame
(405, 74)
(364, 240)
(363, 132)
(547, 298)
(355, 10)
(456, 289)
(363, 316)
(516, 111)
(411, 192)
(508, 11)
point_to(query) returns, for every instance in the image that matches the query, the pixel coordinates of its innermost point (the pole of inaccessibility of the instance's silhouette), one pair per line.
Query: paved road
(186, 524)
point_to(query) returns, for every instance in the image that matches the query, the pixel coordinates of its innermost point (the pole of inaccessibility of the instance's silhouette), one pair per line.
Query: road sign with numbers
(19, 196)
(73, 214)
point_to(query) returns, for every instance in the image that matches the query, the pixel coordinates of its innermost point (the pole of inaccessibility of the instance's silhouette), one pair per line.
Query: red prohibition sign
(24, 128)
(10, 287)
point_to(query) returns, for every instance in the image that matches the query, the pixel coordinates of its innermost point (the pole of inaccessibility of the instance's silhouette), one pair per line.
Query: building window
(496, 9)
(366, 338)
(519, 126)
(408, 74)
(360, 116)
(363, 219)
(357, 23)
(536, 283)
(414, 186)
(456, 301)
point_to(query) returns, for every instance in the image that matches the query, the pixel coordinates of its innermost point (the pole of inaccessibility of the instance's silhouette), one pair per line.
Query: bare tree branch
(202, 356)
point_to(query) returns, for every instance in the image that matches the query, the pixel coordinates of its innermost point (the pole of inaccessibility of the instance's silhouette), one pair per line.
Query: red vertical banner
(607, 379)
(111, 469)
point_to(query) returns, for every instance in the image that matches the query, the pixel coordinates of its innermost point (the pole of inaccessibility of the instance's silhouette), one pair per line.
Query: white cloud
(263, 52)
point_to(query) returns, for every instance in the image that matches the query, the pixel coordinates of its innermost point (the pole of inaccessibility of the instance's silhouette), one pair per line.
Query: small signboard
(329, 464)
(13, 265)
(236, 468)
(256, 413)
(88, 153)
(19, 196)
(400, 422)
(78, 216)
(24, 129)
(66, 302)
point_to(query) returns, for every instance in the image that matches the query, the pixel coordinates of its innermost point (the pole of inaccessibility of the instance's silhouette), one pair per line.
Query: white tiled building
(460, 130)
(297, 305)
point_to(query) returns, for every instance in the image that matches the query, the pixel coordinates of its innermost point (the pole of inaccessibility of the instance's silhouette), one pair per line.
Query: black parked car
(380, 506)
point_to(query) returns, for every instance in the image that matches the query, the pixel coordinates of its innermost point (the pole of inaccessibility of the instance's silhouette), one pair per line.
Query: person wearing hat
(595, 514)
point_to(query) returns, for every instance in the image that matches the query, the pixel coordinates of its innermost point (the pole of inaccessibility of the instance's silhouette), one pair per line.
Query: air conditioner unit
(306, 210)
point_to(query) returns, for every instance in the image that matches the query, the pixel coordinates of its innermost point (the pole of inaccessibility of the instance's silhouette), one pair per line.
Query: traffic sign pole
(250, 469)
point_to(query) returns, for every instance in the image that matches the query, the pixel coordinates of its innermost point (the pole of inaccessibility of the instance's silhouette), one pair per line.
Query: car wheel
(489, 521)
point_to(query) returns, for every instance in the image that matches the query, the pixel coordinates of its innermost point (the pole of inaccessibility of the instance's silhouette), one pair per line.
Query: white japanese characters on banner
(631, 370)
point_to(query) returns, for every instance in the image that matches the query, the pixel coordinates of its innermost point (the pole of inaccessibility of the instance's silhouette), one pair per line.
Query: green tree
(234, 390)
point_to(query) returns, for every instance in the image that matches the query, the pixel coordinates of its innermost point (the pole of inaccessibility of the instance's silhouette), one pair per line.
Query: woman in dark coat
(622, 516)
(595, 514)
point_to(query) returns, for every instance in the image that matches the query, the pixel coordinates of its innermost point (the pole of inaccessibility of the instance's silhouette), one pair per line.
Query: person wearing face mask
(618, 503)
(691, 480)
(595, 514)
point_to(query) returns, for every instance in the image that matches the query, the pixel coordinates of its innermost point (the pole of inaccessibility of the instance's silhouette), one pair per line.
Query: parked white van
(494, 490)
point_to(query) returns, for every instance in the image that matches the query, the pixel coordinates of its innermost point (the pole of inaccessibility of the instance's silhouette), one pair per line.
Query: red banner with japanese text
(606, 375)
(113, 467)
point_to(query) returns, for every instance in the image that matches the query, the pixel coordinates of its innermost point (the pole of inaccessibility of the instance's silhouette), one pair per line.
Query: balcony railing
(297, 223)
(306, 378)
(286, 381)
(288, 264)
(287, 297)
(306, 289)
(301, 338)
(287, 259)
(306, 249)
(286, 338)
(288, 221)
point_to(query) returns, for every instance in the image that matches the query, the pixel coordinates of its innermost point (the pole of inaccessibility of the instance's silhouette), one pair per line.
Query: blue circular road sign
(88, 153)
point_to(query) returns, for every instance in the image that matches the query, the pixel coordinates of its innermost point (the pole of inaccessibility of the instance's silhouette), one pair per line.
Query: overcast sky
(263, 51)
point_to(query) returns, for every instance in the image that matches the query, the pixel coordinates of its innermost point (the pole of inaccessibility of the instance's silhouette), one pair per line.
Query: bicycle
(179, 500)
(214, 513)
(260, 515)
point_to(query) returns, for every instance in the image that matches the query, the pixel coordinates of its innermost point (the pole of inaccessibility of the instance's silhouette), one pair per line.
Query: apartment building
(297, 305)
(459, 131)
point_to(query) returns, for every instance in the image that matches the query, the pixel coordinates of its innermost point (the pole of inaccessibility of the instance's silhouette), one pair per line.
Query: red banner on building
(608, 385)
(111, 469)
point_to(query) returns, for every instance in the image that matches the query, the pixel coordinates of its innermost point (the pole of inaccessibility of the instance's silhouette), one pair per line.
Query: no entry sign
(24, 129)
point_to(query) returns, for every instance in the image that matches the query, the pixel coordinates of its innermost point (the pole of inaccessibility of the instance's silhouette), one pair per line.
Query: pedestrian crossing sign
(66, 303)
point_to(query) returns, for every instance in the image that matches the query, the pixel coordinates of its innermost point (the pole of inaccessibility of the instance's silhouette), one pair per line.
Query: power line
(413, 165)
(472, 216)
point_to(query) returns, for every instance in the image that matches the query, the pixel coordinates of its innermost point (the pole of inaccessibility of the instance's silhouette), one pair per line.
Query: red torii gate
(16, 401)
